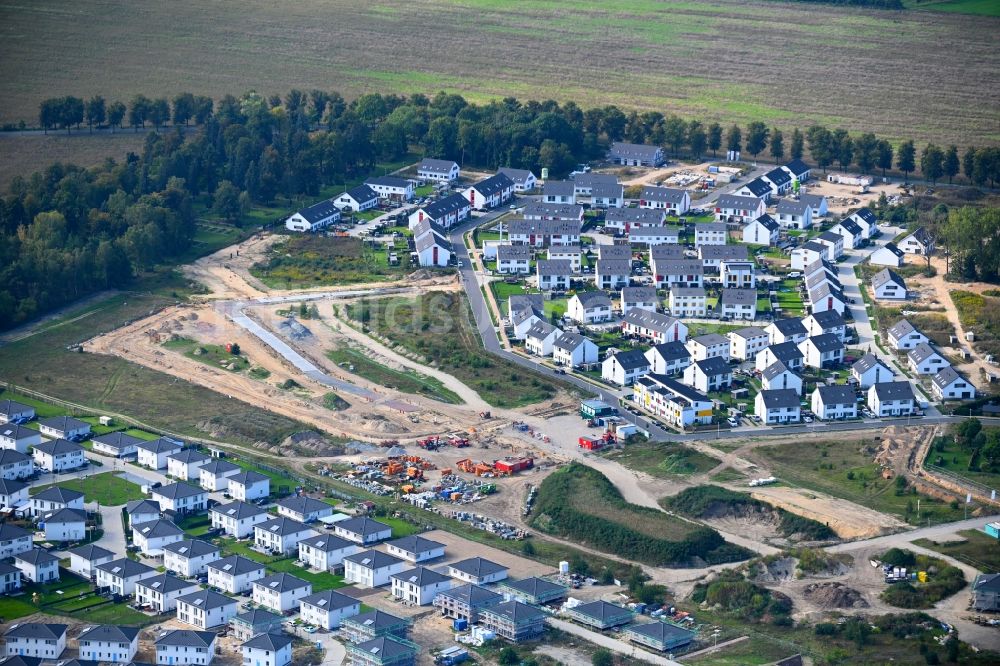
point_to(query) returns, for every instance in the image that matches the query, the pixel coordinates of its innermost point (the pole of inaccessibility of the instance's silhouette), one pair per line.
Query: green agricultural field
(107, 488)
(664, 460)
(311, 261)
(845, 469)
(407, 381)
(975, 7)
(439, 327)
(44, 362)
(929, 74)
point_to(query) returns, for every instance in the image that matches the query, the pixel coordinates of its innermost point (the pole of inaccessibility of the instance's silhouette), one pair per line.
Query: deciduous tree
(906, 158)
(757, 133)
(96, 112)
(714, 137)
(795, 150)
(777, 145)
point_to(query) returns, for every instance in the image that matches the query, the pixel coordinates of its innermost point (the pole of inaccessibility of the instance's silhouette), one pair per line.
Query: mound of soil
(773, 570)
(310, 443)
(834, 595)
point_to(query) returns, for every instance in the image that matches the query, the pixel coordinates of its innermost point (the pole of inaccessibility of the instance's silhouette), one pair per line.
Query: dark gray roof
(515, 611)
(373, 559)
(282, 526)
(142, 506)
(217, 467)
(831, 237)
(507, 252)
(632, 359)
(415, 544)
(386, 647)
(522, 227)
(749, 332)
(63, 423)
(90, 552)
(17, 432)
(798, 167)
(11, 486)
(867, 215)
(813, 246)
(235, 565)
(891, 247)
(608, 190)
(166, 583)
(442, 167)
(330, 600)
(657, 231)
(639, 151)
(867, 362)
(758, 187)
(388, 181)
(837, 394)
(786, 351)
(593, 299)
(739, 296)
(779, 398)
(362, 525)
(55, 447)
(110, 633)
(713, 367)
(124, 568)
(473, 595)
(18, 660)
(207, 599)
(561, 188)
(248, 478)
(8, 407)
(117, 439)
(829, 319)
(12, 532)
(774, 370)
(792, 207)
(778, 176)
(768, 222)
(945, 377)
(564, 250)
(661, 631)
(683, 391)
(824, 290)
(643, 216)
(921, 353)
(790, 326)
(540, 330)
(826, 342)
(375, 619)
(893, 390)
(258, 616)
(453, 203)
(987, 583)
(671, 351)
(710, 340)
(319, 211)
(161, 445)
(687, 292)
(157, 528)
(187, 638)
(421, 577)
(12, 457)
(518, 176)
(680, 267)
(640, 294)
(665, 194)
(302, 504)
(64, 516)
(592, 179)
(36, 556)
(493, 185)
(328, 543)
(710, 226)
(601, 610)
(649, 319)
(534, 586)
(724, 252)
(569, 341)
(178, 490)
(885, 276)
(36, 630)
(851, 227)
(191, 548)
(430, 240)
(237, 510)
(738, 202)
(188, 456)
(362, 193)
(613, 267)
(270, 642)
(901, 329)
(554, 267)
(58, 494)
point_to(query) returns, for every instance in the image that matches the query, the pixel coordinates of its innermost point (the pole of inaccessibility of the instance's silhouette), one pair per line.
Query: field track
(919, 74)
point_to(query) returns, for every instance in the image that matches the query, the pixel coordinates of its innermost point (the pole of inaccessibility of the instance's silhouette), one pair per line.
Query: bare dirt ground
(842, 198)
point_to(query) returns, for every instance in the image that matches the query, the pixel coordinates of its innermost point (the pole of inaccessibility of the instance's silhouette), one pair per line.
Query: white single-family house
(418, 587)
(161, 592)
(206, 609)
(234, 574)
(59, 455)
(624, 367)
(189, 557)
(186, 464)
(109, 643)
(923, 360)
(891, 399)
(870, 370)
(327, 609)
(372, 568)
(777, 406)
(180, 497)
(589, 307)
(280, 592)
(154, 454)
(326, 552)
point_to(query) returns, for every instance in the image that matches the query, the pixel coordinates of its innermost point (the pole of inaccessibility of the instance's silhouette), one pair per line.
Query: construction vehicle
(485, 415)
(430, 443)
(459, 442)
(466, 465)
(415, 473)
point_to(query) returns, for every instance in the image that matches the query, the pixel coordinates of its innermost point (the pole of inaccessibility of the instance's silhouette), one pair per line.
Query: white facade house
(12, 494)
(852, 234)
(671, 201)
(687, 301)
(391, 188)
(708, 346)
(234, 574)
(440, 171)
(303, 508)
(18, 438)
(189, 557)
(744, 343)
(13, 540)
(762, 231)
(540, 337)
(738, 304)
(573, 350)
(35, 640)
(180, 498)
(636, 154)
(12, 411)
(161, 592)
(831, 403)
(829, 321)
(83, 561)
(523, 179)
(206, 609)
(710, 374)
(570, 253)
(888, 285)
(357, 199)
(903, 335)
(710, 233)
(490, 193)
(794, 214)
(514, 259)
(59, 455)
(53, 499)
(186, 465)
(668, 358)
(642, 298)
(418, 587)
(237, 519)
(653, 236)
(887, 255)
(326, 552)
(869, 370)
(214, 476)
(737, 208)
(415, 548)
(280, 592)
(787, 330)
(822, 351)
(154, 454)
(110, 643)
(10, 579)
(891, 399)
(777, 406)
(15, 465)
(315, 217)
(654, 326)
(121, 575)
(807, 253)
(778, 376)
(152, 537)
(589, 307)
(37, 565)
(865, 218)
(115, 444)
(919, 242)
(281, 535)
(142, 511)
(182, 647)
(738, 274)
(947, 384)
(553, 274)
(612, 273)
(328, 609)
(64, 427)
(679, 405)
(267, 650)
(624, 367)
(249, 485)
(785, 352)
(923, 360)
(372, 568)
(66, 525)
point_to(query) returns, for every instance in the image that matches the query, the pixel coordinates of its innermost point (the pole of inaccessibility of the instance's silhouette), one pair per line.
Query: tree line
(102, 226)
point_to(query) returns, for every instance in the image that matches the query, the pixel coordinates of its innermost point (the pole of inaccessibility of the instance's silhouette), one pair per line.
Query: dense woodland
(68, 231)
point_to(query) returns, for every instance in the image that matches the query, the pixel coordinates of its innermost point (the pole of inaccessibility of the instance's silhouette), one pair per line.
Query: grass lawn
(43, 410)
(76, 601)
(141, 434)
(502, 291)
(400, 527)
(320, 581)
(556, 306)
(311, 260)
(213, 355)
(978, 549)
(407, 380)
(845, 469)
(976, 7)
(196, 525)
(439, 328)
(948, 455)
(279, 482)
(664, 460)
(106, 488)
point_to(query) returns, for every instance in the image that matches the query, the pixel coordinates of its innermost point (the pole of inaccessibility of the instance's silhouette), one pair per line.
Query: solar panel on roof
(322, 602)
